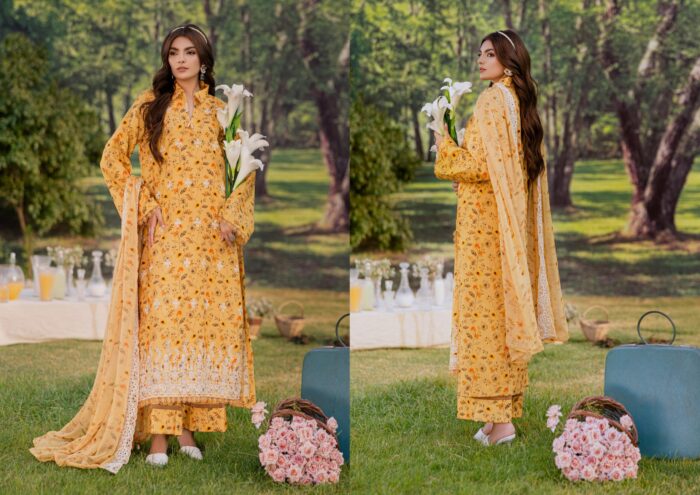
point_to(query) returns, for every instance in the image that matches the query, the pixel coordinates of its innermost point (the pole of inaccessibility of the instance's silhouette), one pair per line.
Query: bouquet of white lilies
(239, 152)
(442, 109)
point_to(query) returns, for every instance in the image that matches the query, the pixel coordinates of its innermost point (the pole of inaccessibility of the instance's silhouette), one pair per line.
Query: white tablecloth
(401, 328)
(29, 320)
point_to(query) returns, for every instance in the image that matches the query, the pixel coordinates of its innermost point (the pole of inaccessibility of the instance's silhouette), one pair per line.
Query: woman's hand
(455, 187)
(227, 233)
(154, 218)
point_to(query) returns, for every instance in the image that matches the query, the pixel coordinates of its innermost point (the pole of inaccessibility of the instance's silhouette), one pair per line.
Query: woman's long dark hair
(518, 61)
(164, 82)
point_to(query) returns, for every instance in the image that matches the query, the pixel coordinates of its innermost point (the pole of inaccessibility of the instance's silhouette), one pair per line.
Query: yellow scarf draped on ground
(101, 433)
(533, 299)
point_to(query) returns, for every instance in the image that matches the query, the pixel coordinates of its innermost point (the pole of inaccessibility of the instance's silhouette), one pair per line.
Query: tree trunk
(417, 140)
(507, 14)
(109, 97)
(652, 212)
(333, 139)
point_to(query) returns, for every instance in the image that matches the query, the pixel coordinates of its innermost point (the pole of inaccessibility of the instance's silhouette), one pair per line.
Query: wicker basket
(254, 324)
(595, 330)
(607, 408)
(289, 326)
(296, 406)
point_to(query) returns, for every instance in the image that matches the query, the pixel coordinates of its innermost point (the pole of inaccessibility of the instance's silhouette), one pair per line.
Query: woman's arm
(116, 161)
(459, 164)
(238, 210)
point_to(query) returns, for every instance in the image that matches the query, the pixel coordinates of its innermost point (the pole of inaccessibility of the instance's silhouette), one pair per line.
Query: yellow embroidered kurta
(490, 359)
(194, 344)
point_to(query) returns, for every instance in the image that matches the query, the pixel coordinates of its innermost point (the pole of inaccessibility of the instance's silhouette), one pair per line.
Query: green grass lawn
(43, 385)
(404, 403)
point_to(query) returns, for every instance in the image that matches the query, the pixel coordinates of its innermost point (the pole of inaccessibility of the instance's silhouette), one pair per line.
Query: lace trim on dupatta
(545, 319)
(126, 441)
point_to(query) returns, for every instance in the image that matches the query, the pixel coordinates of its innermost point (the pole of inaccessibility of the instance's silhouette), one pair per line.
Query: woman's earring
(202, 71)
(508, 72)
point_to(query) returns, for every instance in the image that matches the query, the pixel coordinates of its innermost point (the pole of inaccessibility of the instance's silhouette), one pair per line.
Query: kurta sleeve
(238, 209)
(116, 160)
(459, 164)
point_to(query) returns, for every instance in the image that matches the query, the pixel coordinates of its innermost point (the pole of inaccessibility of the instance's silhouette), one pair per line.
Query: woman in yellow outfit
(191, 352)
(507, 297)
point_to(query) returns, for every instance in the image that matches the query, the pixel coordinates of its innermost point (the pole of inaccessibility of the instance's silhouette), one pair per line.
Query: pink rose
(306, 433)
(577, 447)
(573, 474)
(563, 460)
(558, 444)
(282, 461)
(277, 422)
(597, 450)
(588, 473)
(257, 419)
(616, 474)
(264, 441)
(269, 456)
(616, 448)
(575, 462)
(590, 460)
(278, 475)
(258, 408)
(306, 480)
(308, 450)
(294, 473)
(321, 477)
(334, 476)
(626, 422)
(298, 420)
(332, 424)
(283, 445)
(299, 460)
(570, 424)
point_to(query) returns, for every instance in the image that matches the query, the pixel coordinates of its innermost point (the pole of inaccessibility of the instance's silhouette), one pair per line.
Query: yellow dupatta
(101, 433)
(534, 308)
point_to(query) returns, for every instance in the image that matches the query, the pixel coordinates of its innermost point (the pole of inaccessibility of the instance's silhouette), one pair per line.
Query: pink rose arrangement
(594, 449)
(300, 451)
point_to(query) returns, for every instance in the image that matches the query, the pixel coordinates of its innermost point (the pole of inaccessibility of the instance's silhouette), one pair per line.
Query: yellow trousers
(171, 420)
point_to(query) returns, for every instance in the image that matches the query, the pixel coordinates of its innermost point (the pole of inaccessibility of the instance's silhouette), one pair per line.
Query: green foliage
(379, 162)
(46, 141)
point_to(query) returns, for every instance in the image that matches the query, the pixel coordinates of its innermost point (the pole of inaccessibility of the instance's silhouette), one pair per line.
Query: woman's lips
(482, 69)
(181, 69)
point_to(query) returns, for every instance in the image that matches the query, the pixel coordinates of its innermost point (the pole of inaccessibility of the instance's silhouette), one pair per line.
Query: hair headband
(507, 37)
(195, 29)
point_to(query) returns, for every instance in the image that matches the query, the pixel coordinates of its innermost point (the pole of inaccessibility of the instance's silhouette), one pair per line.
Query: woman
(507, 297)
(193, 347)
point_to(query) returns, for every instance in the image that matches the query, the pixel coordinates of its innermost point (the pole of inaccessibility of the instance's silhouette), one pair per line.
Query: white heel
(192, 452)
(159, 460)
(480, 436)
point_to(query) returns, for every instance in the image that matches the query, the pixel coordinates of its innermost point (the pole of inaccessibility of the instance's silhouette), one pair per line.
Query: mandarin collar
(199, 95)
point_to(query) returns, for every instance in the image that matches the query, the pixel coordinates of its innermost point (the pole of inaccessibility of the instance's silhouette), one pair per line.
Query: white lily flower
(456, 90)
(233, 152)
(437, 110)
(234, 97)
(249, 144)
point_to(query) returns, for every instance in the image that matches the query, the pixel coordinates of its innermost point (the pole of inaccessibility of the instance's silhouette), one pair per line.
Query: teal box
(659, 385)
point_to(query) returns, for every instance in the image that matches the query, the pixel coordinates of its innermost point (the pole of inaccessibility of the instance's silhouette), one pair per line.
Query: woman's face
(490, 69)
(183, 59)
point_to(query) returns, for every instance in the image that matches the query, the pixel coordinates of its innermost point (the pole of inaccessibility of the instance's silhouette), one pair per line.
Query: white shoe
(507, 439)
(159, 460)
(480, 435)
(192, 452)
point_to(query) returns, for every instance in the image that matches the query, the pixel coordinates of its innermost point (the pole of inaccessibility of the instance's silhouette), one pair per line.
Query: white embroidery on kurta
(193, 369)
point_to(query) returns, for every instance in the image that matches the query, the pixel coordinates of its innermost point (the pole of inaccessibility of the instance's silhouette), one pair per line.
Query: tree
(380, 161)
(327, 59)
(43, 148)
(656, 151)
